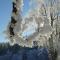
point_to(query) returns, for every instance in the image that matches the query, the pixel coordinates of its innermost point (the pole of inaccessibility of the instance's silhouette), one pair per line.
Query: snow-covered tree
(16, 19)
(39, 24)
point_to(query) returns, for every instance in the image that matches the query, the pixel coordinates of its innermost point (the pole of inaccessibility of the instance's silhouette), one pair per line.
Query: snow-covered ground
(27, 54)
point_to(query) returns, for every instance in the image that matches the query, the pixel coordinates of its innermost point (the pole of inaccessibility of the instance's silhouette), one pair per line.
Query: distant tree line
(4, 47)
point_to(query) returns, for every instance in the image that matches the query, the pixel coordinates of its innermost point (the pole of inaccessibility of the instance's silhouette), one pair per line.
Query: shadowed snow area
(24, 53)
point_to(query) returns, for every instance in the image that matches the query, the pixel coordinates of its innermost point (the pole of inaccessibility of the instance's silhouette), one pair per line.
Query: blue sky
(5, 14)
